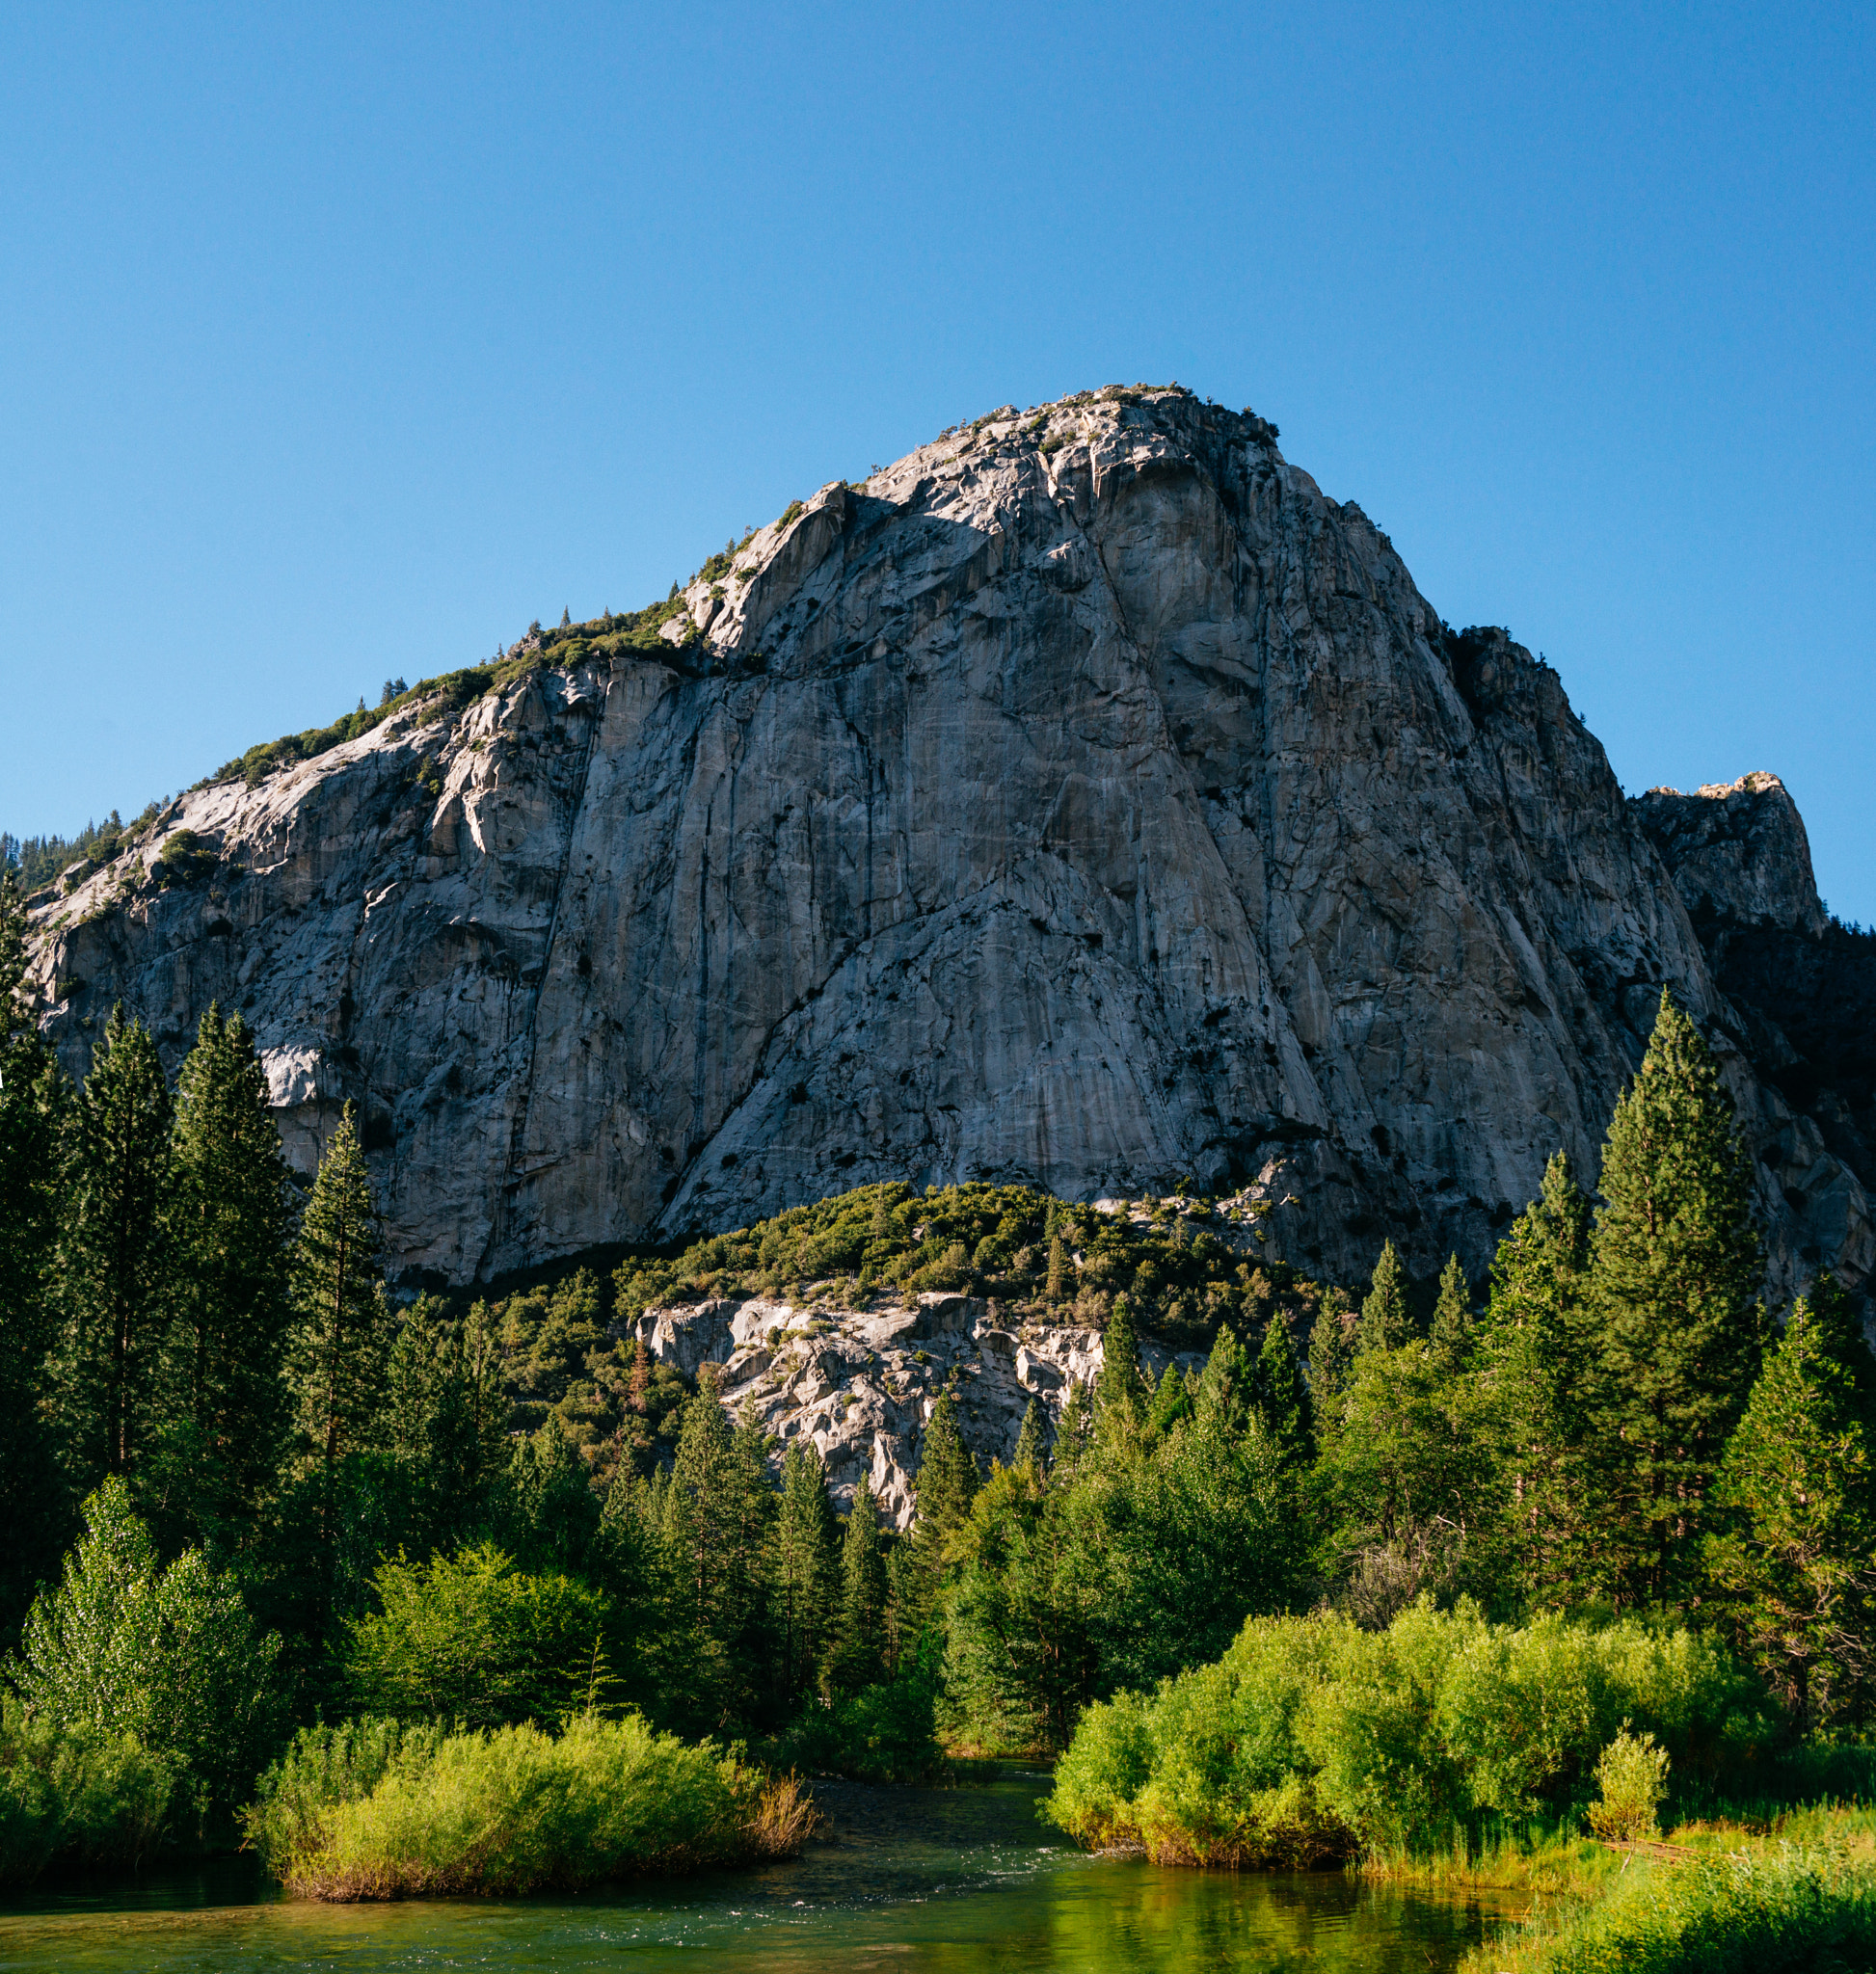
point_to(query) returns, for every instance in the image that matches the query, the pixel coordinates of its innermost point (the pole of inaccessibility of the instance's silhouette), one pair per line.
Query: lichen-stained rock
(860, 1384)
(1086, 799)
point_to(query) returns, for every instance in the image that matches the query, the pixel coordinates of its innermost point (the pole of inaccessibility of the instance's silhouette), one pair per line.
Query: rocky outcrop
(1802, 991)
(1737, 851)
(1085, 799)
(859, 1385)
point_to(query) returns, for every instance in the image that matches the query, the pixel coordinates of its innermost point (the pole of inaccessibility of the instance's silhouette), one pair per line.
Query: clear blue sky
(339, 342)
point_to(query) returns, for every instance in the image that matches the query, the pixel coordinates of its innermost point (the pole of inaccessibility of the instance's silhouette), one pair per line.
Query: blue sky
(341, 342)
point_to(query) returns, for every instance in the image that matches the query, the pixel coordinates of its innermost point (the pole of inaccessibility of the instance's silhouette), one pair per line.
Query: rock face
(860, 1386)
(1085, 799)
(1803, 992)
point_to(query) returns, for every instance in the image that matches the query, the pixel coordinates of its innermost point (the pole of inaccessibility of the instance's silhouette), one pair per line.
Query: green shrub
(323, 1768)
(516, 1811)
(170, 1657)
(1633, 1776)
(469, 1639)
(1776, 1913)
(883, 1733)
(76, 1795)
(1398, 1741)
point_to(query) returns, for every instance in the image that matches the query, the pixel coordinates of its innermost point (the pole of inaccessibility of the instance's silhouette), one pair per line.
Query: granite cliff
(1085, 799)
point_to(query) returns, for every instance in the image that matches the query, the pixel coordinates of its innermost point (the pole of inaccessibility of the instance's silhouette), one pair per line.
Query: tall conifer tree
(1282, 1395)
(1452, 1326)
(1384, 1324)
(342, 1332)
(117, 1257)
(224, 1397)
(1793, 1562)
(1032, 1448)
(33, 1102)
(1674, 1270)
(858, 1656)
(805, 1572)
(1119, 1387)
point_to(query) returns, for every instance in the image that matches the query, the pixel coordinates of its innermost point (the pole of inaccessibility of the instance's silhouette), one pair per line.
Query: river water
(904, 1881)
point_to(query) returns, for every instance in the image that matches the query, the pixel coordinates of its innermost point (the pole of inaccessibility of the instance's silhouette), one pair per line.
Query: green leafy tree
(222, 1398)
(1674, 1270)
(171, 1656)
(468, 1638)
(857, 1656)
(1384, 1324)
(33, 1103)
(1792, 1561)
(117, 1255)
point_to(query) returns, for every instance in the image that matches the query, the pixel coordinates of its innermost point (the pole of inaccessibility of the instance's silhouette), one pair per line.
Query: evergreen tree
(342, 1330)
(223, 1396)
(1385, 1322)
(1282, 1395)
(1330, 1351)
(1538, 1371)
(33, 1103)
(1792, 1562)
(1452, 1328)
(1171, 1406)
(1030, 1445)
(445, 1418)
(946, 1480)
(1228, 1387)
(1058, 1269)
(1119, 1388)
(858, 1655)
(805, 1571)
(117, 1284)
(1674, 1274)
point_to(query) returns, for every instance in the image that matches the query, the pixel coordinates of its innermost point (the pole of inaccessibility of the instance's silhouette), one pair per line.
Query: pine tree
(32, 1103)
(858, 1656)
(1673, 1275)
(1227, 1388)
(1538, 1370)
(1058, 1271)
(1384, 1324)
(804, 1570)
(341, 1331)
(1030, 1445)
(117, 1256)
(1282, 1395)
(947, 1479)
(224, 1400)
(1171, 1404)
(1330, 1351)
(1792, 1562)
(1119, 1388)
(446, 1417)
(1452, 1328)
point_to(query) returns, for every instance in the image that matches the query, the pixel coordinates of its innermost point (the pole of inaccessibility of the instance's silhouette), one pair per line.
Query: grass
(369, 1811)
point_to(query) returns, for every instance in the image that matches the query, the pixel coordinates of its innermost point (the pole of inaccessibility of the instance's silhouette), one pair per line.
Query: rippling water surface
(905, 1880)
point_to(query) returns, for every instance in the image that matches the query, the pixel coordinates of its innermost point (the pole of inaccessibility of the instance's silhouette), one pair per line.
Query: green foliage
(168, 1655)
(883, 1733)
(116, 1259)
(1792, 1561)
(76, 1795)
(857, 1650)
(1673, 1271)
(221, 1394)
(1789, 1911)
(1311, 1737)
(1384, 1324)
(516, 1811)
(469, 1639)
(32, 1105)
(1631, 1775)
(806, 1579)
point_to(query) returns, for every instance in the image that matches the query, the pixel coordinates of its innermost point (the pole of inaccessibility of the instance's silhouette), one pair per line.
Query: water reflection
(917, 1881)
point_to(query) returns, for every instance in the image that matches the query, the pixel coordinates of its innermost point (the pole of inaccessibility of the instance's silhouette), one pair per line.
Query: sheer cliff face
(1085, 799)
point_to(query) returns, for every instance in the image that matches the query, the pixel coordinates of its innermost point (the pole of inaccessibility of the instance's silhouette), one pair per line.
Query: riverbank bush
(883, 1733)
(1742, 1913)
(1312, 1739)
(79, 1795)
(371, 1812)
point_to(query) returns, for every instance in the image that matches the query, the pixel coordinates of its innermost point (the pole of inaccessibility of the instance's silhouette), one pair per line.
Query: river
(905, 1879)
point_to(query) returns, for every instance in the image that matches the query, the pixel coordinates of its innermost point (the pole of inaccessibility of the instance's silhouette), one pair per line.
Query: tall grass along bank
(372, 1811)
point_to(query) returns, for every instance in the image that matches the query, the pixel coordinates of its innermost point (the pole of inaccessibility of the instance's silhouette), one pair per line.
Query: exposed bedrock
(1085, 800)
